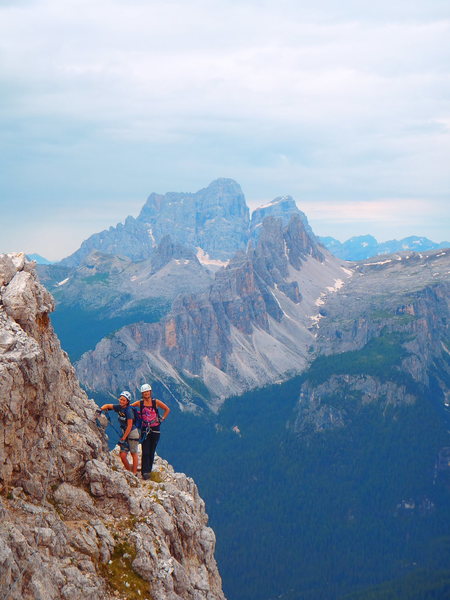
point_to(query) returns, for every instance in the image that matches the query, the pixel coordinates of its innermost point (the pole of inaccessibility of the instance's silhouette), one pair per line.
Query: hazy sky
(344, 105)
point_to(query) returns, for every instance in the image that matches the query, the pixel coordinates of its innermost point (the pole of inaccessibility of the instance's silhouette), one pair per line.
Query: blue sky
(343, 105)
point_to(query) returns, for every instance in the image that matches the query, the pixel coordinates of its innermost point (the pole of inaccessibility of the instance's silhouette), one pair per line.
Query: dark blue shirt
(123, 415)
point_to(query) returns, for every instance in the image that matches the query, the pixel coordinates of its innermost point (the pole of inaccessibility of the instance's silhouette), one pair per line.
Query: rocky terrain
(115, 284)
(253, 324)
(73, 523)
(384, 339)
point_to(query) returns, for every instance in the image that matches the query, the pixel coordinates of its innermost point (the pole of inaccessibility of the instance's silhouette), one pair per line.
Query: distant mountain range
(362, 247)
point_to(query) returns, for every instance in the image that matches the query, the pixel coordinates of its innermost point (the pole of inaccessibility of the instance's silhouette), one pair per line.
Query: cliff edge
(73, 523)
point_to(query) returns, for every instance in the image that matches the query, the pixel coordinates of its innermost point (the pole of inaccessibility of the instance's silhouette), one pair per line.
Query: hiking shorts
(131, 444)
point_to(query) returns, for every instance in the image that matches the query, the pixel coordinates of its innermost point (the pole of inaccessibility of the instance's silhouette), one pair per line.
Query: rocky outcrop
(73, 523)
(253, 325)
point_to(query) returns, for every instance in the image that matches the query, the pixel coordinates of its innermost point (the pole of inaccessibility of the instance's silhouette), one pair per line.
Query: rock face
(130, 239)
(382, 339)
(251, 326)
(282, 207)
(73, 523)
(215, 219)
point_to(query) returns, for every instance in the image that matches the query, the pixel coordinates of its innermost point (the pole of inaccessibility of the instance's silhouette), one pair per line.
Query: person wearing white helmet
(129, 440)
(150, 426)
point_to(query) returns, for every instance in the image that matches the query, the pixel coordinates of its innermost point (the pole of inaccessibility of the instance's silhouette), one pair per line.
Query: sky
(344, 105)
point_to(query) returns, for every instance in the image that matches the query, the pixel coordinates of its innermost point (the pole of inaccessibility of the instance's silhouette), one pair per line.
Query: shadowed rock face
(70, 516)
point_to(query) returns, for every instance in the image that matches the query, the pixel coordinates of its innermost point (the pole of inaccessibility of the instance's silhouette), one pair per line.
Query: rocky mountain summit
(214, 219)
(382, 339)
(282, 207)
(251, 326)
(74, 524)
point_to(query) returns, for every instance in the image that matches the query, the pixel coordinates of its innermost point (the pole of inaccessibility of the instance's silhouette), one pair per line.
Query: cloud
(337, 100)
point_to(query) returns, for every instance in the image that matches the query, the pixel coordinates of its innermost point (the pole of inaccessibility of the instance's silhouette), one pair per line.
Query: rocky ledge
(73, 523)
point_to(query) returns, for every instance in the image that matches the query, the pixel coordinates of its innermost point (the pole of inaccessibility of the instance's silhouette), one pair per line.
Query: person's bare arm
(165, 408)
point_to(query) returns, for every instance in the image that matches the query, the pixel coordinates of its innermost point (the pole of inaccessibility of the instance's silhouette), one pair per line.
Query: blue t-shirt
(123, 415)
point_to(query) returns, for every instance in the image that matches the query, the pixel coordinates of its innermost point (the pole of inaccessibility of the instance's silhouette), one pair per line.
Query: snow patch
(316, 318)
(380, 262)
(205, 259)
(271, 203)
(338, 283)
(151, 236)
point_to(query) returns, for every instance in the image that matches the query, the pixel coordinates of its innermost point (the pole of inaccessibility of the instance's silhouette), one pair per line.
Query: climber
(129, 440)
(150, 430)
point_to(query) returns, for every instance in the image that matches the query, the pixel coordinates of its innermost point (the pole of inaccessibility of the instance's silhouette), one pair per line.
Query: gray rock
(65, 504)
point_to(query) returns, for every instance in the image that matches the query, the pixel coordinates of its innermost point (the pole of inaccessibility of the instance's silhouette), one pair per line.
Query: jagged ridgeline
(333, 476)
(73, 523)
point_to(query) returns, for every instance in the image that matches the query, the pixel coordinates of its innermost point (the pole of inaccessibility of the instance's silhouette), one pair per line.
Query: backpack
(148, 416)
(137, 417)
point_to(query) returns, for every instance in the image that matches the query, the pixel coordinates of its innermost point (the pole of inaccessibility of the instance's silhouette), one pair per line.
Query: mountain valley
(310, 396)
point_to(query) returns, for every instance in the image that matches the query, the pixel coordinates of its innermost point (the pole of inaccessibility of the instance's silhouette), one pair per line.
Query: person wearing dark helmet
(129, 441)
(150, 426)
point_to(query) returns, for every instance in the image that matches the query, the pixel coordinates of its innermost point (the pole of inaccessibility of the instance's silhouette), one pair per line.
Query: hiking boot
(146, 475)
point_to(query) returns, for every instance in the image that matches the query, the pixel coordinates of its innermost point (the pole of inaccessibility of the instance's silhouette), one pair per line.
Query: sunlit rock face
(73, 523)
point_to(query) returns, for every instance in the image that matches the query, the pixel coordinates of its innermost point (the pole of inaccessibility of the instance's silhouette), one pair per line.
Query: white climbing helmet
(146, 388)
(126, 395)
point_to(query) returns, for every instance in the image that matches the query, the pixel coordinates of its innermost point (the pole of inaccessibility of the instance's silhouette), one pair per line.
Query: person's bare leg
(124, 459)
(135, 462)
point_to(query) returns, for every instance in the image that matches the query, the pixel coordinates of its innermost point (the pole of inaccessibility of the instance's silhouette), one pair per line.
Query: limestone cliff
(73, 523)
